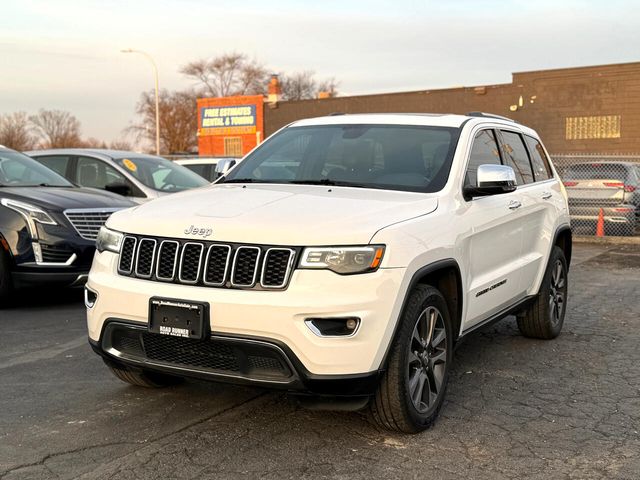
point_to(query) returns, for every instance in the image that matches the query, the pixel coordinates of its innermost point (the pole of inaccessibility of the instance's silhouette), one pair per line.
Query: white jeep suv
(341, 260)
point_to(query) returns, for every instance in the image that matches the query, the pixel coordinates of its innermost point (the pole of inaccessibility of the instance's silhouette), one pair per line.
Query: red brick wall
(211, 143)
(556, 94)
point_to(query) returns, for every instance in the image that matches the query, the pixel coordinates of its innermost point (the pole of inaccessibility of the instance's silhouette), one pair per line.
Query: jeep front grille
(206, 263)
(87, 221)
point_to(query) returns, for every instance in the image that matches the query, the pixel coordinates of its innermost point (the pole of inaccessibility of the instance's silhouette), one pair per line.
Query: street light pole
(155, 75)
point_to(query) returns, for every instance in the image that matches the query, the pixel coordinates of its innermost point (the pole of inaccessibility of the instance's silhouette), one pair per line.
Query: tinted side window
(57, 163)
(199, 168)
(539, 161)
(516, 157)
(94, 173)
(484, 151)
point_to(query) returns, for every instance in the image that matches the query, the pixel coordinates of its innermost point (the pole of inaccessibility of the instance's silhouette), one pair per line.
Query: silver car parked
(137, 176)
(607, 187)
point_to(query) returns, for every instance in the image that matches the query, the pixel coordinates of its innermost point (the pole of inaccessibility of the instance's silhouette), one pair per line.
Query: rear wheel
(545, 317)
(142, 378)
(413, 387)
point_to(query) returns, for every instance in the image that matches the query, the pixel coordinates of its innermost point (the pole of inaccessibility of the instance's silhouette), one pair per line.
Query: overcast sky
(65, 54)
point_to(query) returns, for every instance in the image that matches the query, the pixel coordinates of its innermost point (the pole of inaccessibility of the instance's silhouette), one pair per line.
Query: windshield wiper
(248, 180)
(334, 183)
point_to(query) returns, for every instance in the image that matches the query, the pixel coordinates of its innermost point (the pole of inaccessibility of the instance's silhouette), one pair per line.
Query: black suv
(48, 226)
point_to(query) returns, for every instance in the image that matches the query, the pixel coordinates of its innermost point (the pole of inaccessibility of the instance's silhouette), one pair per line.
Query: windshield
(394, 157)
(18, 170)
(161, 174)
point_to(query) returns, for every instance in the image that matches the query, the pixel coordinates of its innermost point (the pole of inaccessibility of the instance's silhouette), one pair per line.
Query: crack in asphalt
(142, 444)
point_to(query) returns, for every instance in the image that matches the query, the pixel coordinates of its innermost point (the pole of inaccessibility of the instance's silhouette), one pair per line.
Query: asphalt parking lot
(517, 408)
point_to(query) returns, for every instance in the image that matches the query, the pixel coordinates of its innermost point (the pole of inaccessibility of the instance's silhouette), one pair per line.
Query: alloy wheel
(557, 292)
(427, 359)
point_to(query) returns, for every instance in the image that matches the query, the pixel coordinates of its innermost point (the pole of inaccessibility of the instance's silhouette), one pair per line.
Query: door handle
(546, 195)
(514, 204)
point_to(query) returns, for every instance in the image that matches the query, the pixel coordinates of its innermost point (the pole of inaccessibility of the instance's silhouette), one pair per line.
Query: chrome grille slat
(189, 269)
(145, 257)
(213, 276)
(206, 264)
(87, 222)
(276, 267)
(127, 255)
(243, 260)
(165, 249)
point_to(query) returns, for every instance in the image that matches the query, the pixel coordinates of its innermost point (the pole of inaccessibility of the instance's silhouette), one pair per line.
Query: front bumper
(277, 317)
(223, 358)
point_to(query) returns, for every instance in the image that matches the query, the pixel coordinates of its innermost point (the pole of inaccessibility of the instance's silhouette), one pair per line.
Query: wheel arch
(445, 276)
(563, 238)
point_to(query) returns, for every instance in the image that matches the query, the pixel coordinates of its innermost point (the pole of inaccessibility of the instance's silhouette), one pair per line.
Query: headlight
(31, 214)
(343, 260)
(108, 240)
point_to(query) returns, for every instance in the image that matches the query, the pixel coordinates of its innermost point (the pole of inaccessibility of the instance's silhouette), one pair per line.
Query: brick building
(576, 110)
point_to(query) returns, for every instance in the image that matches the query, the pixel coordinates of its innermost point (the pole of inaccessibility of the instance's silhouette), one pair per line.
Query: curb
(606, 240)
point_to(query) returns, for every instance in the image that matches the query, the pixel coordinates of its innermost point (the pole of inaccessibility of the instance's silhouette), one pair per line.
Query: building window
(594, 127)
(233, 146)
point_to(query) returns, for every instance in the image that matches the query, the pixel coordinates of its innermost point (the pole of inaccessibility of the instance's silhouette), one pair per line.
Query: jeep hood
(293, 215)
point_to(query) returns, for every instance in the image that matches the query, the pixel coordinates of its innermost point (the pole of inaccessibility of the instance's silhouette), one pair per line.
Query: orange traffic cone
(600, 226)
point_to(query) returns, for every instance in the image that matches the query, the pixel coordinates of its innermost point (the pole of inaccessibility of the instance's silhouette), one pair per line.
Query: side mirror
(224, 165)
(492, 180)
(119, 188)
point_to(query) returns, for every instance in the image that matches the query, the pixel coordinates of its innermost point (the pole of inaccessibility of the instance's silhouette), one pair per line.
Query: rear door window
(516, 156)
(539, 160)
(57, 163)
(94, 173)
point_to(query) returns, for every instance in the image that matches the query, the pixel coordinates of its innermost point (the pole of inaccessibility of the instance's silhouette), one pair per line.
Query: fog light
(90, 298)
(333, 327)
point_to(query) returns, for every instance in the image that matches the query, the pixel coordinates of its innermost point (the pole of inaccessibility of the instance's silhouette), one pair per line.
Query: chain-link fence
(604, 193)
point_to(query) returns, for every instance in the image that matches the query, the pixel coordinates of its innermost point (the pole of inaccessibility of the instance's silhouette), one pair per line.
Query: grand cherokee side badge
(198, 232)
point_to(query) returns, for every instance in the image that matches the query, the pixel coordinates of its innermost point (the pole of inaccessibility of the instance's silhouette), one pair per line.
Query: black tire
(6, 284)
(393, 406)
(141, 378)
(545, 316)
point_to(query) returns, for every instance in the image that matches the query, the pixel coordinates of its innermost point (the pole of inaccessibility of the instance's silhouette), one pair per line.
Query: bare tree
(16, 131)
(178, 120)
(304, 86)
(121, 144)
(92, 142)
(228, 74)
(298, 85)
(57, 129)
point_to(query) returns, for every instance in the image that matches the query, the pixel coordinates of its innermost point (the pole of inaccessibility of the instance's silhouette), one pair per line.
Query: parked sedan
(48, 227)
(135, 175)
(207, 167)
(613, 187)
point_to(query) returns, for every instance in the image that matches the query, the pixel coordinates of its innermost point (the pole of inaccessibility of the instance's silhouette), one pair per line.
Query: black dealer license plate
(178, 318)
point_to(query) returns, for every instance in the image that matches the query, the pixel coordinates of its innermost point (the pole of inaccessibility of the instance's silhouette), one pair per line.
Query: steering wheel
(168, 186)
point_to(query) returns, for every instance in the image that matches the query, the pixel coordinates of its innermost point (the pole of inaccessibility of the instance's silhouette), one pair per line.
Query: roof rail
(490, 115)
(335, 114)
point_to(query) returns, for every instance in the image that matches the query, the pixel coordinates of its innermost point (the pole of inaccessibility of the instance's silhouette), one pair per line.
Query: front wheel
(545, 317)
(412, 389)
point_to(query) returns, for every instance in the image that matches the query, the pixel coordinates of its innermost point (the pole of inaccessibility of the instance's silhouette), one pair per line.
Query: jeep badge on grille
(198, 232)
